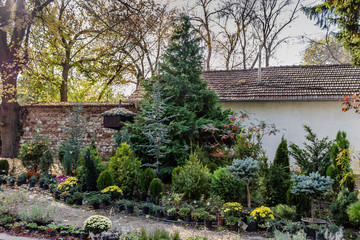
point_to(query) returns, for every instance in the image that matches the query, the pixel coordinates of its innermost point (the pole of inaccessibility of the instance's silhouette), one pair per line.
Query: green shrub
(338, 208)
(353, 211)
(104, 180)
(4, 167)
(282, 155)
(283, 211)
(212, 167)
(146, 177)
(125, 168)
(277, 182)
(193, 179)
(82, 171)
(36, 155)
(226, 186)
(156, 189)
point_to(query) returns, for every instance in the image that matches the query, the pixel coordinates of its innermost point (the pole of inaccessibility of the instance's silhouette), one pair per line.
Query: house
(290, 97)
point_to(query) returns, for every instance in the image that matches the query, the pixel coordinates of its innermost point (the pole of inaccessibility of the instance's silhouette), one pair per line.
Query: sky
(289, 53)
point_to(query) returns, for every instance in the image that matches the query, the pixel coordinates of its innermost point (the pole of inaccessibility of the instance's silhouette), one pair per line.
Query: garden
(183, 161)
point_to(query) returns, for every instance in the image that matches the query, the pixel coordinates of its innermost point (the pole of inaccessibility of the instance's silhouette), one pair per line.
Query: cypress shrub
(338, 208)
(282, 156)
(91, 173)
(146, 177)
(156, 189)
(105, 180)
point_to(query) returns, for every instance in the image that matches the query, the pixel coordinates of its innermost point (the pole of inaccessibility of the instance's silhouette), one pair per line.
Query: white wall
(324, 117)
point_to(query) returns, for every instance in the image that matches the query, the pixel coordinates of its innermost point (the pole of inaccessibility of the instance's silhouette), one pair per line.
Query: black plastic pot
(41, 184)
(52, 233)
(84, 236)
(31, 184)
(208, 224)
(75, 235)
(79, 202)
(121, 207)
(130, 209)
(320, 236)
(11, 184)
(96, 205)
(187, 218)
(171, 218)
(46, 187)
(234, 227)
(251, 227)
(57, 196)
(310, 232)
(145, 210)
(159, 214)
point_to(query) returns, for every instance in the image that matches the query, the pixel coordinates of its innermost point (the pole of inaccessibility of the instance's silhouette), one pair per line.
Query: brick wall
(55, 115)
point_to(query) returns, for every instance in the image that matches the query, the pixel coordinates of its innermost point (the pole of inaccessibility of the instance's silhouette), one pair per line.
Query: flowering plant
(231, 209)
(261, 214)
(97, 224)
(67, 184)
(61, 178)
(114, 191)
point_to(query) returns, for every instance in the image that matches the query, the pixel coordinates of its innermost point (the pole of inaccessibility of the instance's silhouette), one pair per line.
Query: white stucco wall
(324, 117)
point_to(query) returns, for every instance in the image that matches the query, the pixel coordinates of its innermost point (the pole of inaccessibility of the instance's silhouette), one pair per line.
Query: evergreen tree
(282, 155)
(187, 98)
(91, 174)
(345, 15)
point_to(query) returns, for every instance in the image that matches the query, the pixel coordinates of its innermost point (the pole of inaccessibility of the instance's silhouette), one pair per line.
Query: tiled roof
(291, 83)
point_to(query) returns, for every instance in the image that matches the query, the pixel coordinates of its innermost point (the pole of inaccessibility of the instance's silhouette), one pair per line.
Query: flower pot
(234, 227)
(79, 202)
(220, 221)
(145, 210)
(11, 184)
(309, 231)
(57, 196)
(41, 185)
(7, 227)
(96, 205)
(84, 236)
(187, 218)
(52, 233)
(172, 218)
(64, 234)
(130, 209)
(121, 207)
(31, 184)
(46, 187)
(19, 183)
(75, 235)
(320, 236)
(159, 214)
(17, 229)
(251, 227)
(208, 224)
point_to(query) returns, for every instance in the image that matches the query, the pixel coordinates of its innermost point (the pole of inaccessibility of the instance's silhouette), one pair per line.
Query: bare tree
(272, 17)
(237, 42)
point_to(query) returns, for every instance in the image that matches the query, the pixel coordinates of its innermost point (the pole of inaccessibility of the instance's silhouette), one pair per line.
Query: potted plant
(114, 191)
(84, 234)
(320, 233)
(97, 224)
(75, 233)
(64, 233)
(21, 179)
(32, 226)
(78, 198)
(146, 208)
(171, 214)
(251, 224)
(47, 183)
(129, 205)
(232, 213)
(246, 170)
(41, 182)
(95, 200)
(313, 185)
(185, 213)
(202, 215)
(17, 227)
(105, 199)
(11, 180)
(232, 222)
(32, 181)
(261, 214)
(42, 229)
(159, 210)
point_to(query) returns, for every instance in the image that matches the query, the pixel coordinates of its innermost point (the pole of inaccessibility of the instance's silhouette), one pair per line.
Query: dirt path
(123, 222)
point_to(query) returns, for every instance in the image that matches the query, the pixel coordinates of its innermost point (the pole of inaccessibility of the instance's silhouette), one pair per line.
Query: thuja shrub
(193, 179)
(125, 168)
(104, 180)
(338, 208)
(223, 185)
(353, 211)
(156, 189)
(146, 177)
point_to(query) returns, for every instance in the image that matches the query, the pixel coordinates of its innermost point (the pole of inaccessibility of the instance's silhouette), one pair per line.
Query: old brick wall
(53, 116)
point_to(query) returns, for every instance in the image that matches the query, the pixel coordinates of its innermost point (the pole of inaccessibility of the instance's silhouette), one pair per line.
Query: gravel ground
(123, 222)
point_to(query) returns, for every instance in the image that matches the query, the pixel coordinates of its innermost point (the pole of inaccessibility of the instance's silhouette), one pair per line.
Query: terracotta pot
(220, 221)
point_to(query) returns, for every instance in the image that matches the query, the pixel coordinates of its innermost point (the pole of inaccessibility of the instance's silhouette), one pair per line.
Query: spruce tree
(186, 95)
(282, 155)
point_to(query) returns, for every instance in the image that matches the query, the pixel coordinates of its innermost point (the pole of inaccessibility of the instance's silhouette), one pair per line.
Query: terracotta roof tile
(289, 83)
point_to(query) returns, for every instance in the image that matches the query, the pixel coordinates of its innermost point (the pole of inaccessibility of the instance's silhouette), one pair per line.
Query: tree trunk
(248, 195)
(64, 83)
(312, 209)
